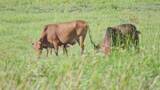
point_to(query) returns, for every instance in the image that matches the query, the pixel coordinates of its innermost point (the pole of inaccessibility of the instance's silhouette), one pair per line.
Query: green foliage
(23, 20)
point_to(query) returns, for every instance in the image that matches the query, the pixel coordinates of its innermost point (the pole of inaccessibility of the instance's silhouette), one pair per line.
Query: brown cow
(124, 35)
(63, 34)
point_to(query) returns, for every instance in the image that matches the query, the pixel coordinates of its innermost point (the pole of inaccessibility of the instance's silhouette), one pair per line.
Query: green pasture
(21, 22)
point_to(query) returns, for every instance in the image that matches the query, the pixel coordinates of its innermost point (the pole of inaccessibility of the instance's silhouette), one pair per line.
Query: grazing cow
(124, 35)
(63, 34)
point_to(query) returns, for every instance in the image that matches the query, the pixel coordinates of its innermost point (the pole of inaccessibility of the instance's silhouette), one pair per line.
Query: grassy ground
(21, 22)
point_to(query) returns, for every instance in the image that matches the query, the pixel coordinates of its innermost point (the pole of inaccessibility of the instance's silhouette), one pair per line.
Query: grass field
(21, 22)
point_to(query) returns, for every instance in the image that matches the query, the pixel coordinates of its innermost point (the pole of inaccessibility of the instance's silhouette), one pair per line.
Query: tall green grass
(21, 23)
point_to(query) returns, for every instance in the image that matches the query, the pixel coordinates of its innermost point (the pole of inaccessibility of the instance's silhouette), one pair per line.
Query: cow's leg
(78, 42)
(136, 44)
(47, 52)
(65, 49)
(56, 48)
(135, 41)
(81, 41)
(51, 51)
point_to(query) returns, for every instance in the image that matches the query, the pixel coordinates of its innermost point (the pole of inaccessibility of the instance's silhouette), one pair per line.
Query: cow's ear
(110, 30)
(32, 43)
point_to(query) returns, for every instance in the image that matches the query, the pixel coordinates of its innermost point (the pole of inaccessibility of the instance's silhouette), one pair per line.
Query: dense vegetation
(21, 22)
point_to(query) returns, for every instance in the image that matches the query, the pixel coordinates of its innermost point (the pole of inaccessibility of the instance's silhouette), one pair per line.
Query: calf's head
(37, 47)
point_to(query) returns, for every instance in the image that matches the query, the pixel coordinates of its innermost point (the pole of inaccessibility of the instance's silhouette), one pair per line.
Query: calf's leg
(39, 52)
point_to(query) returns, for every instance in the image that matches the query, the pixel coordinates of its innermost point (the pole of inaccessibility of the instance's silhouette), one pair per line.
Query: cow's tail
(43, 34)
(135, 30)
(91, 40)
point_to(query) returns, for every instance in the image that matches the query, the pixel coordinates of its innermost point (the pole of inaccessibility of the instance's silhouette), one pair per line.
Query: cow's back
(82, 27)
(70, 31)
(67, 32)
(125, 28)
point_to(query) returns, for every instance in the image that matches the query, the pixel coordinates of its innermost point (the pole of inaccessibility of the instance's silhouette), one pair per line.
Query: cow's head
(106, 45)
(37, 47)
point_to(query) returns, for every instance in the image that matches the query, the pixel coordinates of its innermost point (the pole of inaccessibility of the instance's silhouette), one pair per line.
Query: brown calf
(38, 46)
